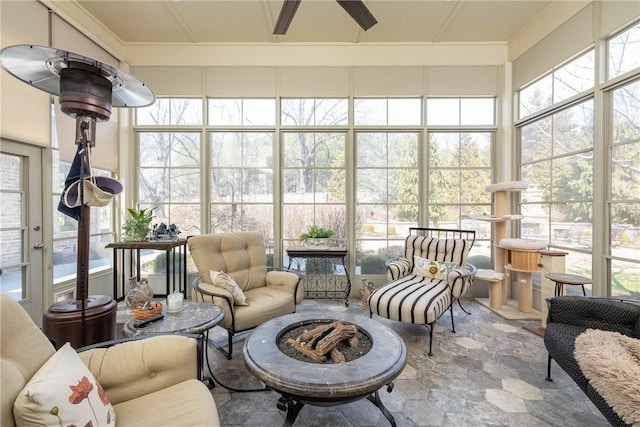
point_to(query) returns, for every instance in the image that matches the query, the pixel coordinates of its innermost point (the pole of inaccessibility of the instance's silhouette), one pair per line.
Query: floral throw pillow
(428, 268)
(222, 279)
(63, 393)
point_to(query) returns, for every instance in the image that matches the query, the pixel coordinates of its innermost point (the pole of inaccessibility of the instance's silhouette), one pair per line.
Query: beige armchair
(242, 256)
(152, 381)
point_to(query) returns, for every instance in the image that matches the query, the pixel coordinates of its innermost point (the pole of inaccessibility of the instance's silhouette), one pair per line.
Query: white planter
(317, 243)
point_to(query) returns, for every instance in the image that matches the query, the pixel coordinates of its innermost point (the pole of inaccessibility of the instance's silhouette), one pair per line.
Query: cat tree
(514, 259)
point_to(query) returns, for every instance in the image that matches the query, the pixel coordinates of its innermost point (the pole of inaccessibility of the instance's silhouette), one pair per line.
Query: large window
(170, 168)
(363, 168)
(241, 186)
(314, 183)
(557, 162)
(387, 179)
(169, 178)
(387, 195)
(557, 146)
(169, 163)
(564, 82)
(556, 159)
(314, 178)
(459, 157)
(241, 178)
(624, 52)
(624, 206)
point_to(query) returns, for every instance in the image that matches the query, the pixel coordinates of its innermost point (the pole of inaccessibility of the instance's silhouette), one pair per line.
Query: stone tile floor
(489, 373)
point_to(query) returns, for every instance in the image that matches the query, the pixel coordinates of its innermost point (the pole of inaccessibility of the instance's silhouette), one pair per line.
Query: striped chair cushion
(398, 268)
(412, 299)
(460, 280)
(441, 250)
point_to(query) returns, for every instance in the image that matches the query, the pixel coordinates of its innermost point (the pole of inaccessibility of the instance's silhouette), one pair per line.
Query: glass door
(21, 235)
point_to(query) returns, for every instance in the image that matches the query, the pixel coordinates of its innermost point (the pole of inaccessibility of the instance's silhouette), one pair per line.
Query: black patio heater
(87, 90)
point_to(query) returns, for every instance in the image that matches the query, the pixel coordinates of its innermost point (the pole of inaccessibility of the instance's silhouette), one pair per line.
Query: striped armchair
(411, 296)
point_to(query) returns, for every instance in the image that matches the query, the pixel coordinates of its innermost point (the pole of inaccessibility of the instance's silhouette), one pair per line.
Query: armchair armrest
(207, 292)
(135, 368)
(461, 278)
(287, 281)
(607, 314)
(397, 268)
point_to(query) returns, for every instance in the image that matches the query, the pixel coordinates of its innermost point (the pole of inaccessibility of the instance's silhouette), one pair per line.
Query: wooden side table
(175, 266)
(562, 279)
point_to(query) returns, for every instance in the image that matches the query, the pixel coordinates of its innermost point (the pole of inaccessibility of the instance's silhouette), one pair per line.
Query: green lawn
(626, 283)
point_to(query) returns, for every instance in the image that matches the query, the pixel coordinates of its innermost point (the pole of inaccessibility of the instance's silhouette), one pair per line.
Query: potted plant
(137, 227)
(317, 237)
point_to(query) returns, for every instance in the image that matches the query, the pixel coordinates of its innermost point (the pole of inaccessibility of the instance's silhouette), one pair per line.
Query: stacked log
(321, 342)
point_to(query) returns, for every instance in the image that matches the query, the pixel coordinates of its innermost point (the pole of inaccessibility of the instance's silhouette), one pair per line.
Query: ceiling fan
(355, 8)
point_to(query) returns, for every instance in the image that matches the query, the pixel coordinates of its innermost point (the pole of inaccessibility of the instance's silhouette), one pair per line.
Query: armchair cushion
(241, 255)
(398, 268)
(267, 302)
(158, 409)
(461, 278)
(441, 250)
(287, 282)
(63, 392)
(23, 350)
(136, 368)
(223, 280)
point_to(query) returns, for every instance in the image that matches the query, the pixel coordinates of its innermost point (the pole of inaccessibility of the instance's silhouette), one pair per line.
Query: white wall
(24, 111)
(321, 81)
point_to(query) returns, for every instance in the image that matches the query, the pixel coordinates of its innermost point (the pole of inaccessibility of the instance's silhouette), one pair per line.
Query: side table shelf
(325, 272)
(175, 266)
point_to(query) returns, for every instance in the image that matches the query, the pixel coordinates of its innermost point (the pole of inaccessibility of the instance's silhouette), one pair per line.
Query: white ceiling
(316, 21)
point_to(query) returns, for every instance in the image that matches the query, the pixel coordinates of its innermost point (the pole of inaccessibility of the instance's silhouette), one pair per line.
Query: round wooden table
(562, 279)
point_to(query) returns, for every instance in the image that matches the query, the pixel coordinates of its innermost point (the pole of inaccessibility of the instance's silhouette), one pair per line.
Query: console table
(325, 272)
(175, 266)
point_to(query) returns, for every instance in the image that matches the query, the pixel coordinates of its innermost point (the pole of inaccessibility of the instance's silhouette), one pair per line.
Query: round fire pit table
(325, 384)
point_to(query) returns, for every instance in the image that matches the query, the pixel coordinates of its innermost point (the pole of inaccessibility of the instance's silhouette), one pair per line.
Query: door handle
(38, 246)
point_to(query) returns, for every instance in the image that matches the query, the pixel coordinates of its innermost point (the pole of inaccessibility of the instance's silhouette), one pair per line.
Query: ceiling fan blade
(359, 13)
(287, 12)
